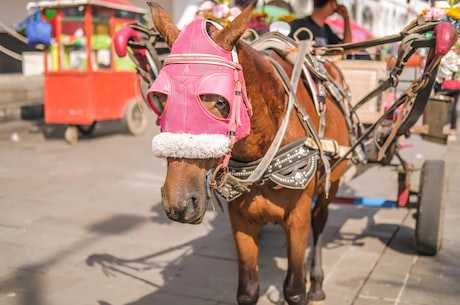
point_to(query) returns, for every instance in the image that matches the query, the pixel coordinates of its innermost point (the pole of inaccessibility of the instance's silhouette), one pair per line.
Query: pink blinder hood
(198, 66)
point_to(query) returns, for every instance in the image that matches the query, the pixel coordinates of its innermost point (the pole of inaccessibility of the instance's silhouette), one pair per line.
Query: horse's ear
(234, 30)
(163, 23)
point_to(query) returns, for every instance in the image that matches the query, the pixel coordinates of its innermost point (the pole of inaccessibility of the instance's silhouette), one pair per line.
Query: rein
(419, 25)
(290, 88)
(304, 118)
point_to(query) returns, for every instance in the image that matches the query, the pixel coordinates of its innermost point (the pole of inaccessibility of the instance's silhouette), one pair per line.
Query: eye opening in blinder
(216, 93)
(221, 105)
(158, 94)
(156, 101)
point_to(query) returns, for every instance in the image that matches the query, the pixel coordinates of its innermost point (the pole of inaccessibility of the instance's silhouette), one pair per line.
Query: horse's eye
(223, 106)
(216, 104)
(158, 101)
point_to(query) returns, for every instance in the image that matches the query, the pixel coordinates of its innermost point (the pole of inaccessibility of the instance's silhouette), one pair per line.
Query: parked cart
(85, 81)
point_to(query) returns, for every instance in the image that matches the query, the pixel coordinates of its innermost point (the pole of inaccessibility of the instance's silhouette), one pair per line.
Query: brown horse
(249, 118)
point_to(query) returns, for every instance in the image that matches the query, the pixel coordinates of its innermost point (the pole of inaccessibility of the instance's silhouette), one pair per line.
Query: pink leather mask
(198, 66)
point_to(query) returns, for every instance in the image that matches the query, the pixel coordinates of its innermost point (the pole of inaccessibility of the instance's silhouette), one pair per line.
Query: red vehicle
(85, 81)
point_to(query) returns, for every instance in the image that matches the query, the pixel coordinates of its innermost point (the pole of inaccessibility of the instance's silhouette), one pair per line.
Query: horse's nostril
(189, 211)
(192, 204)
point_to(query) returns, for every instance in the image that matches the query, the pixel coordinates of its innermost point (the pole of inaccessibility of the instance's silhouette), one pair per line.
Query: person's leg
(453, 118)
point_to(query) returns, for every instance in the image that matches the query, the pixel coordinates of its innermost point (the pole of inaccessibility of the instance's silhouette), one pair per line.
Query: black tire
(86, 130)
(431, 204)
(135, 119)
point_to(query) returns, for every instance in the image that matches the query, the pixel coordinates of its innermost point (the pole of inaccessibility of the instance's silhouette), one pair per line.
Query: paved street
(83, 225)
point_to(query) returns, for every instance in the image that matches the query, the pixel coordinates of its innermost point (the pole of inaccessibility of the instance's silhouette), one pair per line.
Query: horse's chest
(261, 210)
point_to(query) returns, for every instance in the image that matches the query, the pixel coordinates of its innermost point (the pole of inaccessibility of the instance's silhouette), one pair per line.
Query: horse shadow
(200, 271)
(203, 270)
(352, 224)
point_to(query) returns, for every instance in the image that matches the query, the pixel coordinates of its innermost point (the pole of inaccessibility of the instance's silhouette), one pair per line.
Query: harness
(294, 165)
(191, 70)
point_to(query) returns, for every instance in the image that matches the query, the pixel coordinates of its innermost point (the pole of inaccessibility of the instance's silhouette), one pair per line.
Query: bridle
(193, 69)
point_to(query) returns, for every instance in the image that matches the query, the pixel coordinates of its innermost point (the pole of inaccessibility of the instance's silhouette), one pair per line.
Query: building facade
(385, 17)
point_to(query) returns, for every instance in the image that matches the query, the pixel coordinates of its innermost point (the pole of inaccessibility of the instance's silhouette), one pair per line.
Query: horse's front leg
(319, 218)
(246, 238)
(297, 229)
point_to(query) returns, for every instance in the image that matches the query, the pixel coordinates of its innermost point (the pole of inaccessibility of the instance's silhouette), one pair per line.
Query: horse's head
(200, 99)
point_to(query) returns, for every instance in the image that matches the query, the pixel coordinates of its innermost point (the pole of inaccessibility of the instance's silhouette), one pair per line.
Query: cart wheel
(71, 134)
(135, 120)
(430, 210)
(86, 129)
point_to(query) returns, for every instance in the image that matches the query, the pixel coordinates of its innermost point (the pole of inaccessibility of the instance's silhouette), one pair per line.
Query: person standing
(316, 23)
(448, 83)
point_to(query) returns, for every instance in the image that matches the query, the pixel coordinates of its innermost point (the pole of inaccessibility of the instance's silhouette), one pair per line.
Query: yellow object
(54, 57)
(453, 12)
(99, 42)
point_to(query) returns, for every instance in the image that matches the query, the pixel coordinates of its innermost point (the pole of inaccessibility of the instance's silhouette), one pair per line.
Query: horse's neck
(268, 100)
(265, 89)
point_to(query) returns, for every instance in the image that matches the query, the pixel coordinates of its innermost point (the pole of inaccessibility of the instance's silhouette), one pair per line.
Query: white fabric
(190, 146)
(448, 67)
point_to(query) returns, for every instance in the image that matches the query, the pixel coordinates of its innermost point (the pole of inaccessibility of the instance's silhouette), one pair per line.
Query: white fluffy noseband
(190, 146)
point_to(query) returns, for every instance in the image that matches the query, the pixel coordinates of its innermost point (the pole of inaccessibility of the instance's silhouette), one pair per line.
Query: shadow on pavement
(336, 234)
(206, 271)
(29, 280)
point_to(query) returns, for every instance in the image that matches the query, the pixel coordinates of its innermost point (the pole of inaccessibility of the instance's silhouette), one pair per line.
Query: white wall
(385, 17)
(13, 12)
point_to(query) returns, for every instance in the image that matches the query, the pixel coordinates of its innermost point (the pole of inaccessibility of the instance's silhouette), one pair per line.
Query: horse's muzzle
(190, 209)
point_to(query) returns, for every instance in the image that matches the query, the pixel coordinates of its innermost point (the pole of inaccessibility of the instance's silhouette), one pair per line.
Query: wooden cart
(85, 81)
